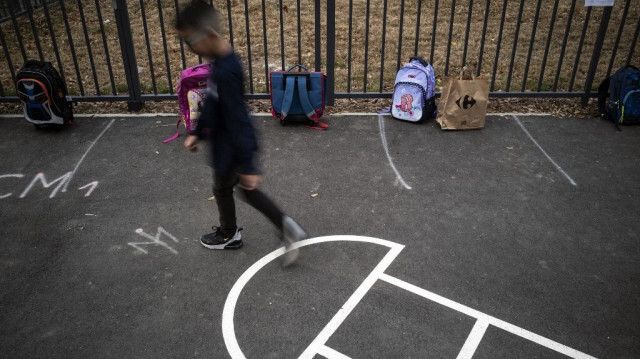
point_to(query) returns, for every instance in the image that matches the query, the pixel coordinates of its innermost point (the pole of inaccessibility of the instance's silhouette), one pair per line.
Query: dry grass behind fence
(106, 80)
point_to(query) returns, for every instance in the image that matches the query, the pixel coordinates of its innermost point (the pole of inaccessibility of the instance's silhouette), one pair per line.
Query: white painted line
(504, 114)
(329, 353)
(523, 333)
(473, 340)
(545, 153)
(85, 154)
(383, 136)
(104, 115)
(350, 304)
(255, 114)
(228, 328)
(369, 114)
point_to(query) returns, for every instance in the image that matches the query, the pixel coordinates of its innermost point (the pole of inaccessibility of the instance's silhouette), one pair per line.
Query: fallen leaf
(212, 198)
(314, 195)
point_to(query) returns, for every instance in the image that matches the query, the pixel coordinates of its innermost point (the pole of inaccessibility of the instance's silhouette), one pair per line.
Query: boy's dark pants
(223, 190)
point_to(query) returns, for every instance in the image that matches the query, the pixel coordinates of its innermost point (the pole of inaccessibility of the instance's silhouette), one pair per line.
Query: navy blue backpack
(299, 95)
(623, 89)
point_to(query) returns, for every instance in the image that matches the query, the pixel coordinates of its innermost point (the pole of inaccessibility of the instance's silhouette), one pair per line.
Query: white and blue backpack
(414, 92)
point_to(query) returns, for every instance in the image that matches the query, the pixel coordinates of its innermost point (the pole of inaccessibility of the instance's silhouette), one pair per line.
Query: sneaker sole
(229, 245)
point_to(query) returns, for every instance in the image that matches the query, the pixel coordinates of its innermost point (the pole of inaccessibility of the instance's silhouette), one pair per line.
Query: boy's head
(198, 25)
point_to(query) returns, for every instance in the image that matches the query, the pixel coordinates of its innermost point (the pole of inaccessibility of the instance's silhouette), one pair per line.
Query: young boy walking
(232, 137)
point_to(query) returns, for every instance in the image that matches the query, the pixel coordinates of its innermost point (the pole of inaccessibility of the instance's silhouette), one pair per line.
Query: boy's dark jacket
(225, 117)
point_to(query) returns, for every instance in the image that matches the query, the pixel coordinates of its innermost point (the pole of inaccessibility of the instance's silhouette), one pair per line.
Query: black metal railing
(119, 50)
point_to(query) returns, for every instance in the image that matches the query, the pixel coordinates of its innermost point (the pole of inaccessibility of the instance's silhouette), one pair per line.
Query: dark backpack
(43, 94)
(623, 89)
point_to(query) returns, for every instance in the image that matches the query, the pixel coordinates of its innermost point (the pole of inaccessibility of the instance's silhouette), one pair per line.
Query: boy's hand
(191, 143)
(249, 182)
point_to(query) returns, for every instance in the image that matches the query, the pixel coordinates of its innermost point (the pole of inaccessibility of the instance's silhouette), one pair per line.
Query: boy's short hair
(196, 15)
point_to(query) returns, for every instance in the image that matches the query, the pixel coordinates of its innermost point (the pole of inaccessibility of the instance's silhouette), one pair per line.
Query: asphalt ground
(520, 240)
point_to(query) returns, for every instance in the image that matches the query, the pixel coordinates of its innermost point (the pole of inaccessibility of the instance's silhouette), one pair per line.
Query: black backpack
(623, 89)
(43, 94)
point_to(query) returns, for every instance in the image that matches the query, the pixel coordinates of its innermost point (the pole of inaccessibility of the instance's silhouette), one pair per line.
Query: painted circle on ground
(228, 329)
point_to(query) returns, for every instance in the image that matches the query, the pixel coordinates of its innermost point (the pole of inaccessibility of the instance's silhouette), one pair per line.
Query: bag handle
(420, 60)
(299, 66)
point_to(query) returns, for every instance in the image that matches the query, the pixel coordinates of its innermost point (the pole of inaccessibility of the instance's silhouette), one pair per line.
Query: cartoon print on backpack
(406, 104)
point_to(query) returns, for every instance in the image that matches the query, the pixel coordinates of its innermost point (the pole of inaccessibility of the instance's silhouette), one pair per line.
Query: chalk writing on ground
(153, 240)
(61, 184)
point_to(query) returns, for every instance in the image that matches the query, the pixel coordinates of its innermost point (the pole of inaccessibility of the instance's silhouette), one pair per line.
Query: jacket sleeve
(234, 110)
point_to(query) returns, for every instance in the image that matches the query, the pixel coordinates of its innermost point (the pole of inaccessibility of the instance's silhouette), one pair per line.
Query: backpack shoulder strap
(288, 96)
(309, 111)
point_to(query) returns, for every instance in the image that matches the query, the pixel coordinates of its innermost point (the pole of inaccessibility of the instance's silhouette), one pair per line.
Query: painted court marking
(383, 136)
(544, 152)
(319, 345)
(75, 169)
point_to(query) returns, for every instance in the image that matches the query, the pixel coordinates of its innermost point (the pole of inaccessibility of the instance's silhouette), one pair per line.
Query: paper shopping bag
(463, 103)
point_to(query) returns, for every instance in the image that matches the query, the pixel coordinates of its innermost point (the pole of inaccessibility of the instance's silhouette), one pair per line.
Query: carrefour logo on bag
(467, 103)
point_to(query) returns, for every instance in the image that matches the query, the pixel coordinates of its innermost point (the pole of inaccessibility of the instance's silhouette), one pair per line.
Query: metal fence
(119, 50)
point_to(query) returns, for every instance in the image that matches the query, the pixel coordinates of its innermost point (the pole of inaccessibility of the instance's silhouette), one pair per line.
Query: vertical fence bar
(228, 20)
(148, 43)
(433, 31)
(466, 36)
(331, 51)
(497, 60)
(128, 54)
(633, 43)
(595, 57)
(548, 45)
(384, 38)
(579, 52)
(349, 49)
(453, 13)
(400, 36)
(317, 23)
(104, 43)
(33, 29)
(71, 47)
(531, 43)
(366, 46)
(246, 20)
(515, 45)
(299, 34)
(484, 35)
(17, 31)
(615, 45)
(53, 39)
(281, 35)
(7, 55)
(264, 39)
(166, 52)
(88, 42)
(184, 58)
(564, 45)
(415, 48)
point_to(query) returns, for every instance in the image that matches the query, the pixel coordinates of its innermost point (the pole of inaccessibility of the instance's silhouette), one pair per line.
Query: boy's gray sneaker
(291, 233)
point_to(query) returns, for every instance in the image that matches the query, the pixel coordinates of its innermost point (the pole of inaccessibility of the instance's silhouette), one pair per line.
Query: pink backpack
(191, 92)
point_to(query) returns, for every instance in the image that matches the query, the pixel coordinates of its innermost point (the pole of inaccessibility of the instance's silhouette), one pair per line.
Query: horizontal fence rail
(127, 50)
